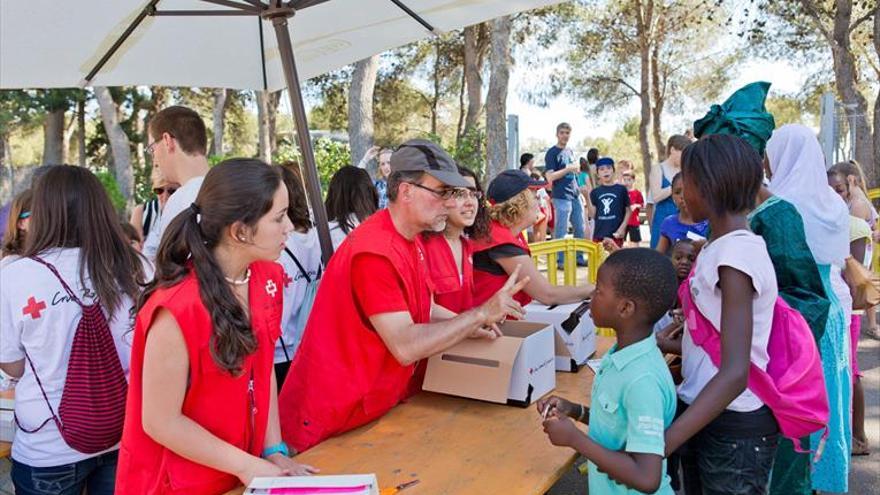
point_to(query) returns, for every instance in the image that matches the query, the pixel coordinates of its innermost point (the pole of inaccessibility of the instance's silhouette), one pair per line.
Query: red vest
(450, 291)
(487, 284)
(217, 401)
(343, 376)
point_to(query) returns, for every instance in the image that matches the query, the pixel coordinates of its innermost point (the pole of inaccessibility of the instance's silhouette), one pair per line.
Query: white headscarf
(798, 176)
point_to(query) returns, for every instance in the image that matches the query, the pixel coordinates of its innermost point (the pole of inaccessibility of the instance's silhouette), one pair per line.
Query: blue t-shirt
(674, 230)
(633, 402)
(610, 202)
(558, 158)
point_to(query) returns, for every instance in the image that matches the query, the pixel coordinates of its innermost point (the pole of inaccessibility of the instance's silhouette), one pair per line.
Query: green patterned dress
(800, 285)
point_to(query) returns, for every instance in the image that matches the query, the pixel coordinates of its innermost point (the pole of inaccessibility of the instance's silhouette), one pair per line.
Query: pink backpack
(92, 407)
(793, 387)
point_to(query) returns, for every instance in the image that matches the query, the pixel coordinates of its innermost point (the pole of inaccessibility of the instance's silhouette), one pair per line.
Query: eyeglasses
(158, 191)
(444, 194)
(469, 194)
(149, 148)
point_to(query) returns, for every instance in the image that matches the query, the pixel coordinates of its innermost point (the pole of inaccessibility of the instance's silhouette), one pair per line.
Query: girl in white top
(76, 230)
(351, 198)
(734, 287)
(302, 253)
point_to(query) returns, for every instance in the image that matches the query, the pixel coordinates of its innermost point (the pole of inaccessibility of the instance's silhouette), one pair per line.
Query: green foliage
(112, 188)
(470, 151)
(330, 156)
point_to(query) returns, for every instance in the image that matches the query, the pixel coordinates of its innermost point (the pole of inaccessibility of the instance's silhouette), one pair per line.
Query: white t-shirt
(177, 202)
(747, 253)
(307, 250)
(337, 235)
(37, 316)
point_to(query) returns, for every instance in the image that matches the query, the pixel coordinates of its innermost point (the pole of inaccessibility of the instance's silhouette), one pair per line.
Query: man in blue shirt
(561, 169)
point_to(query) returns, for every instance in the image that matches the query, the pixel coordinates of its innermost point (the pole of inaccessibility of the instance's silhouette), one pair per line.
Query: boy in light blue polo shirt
(633, 396)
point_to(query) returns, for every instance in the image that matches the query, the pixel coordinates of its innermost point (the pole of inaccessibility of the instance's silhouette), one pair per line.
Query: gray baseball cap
(421, 155)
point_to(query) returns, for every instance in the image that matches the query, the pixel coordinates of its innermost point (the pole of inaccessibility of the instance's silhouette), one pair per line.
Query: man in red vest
(374, 321)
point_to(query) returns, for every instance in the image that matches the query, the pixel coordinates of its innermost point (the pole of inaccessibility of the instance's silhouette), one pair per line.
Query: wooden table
(455, 445)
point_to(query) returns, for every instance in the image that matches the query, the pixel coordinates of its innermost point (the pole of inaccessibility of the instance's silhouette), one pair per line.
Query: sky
(540, 123)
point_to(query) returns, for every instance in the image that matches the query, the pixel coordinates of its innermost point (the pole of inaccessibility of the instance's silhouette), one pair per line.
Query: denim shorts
(724, 459)
(97, 474)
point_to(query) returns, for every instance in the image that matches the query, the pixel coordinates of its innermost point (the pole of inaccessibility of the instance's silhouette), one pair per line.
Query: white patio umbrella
(239, 44)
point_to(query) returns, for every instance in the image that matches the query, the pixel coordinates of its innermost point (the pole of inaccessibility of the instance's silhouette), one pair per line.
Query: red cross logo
(33, 308)
(271, 288)
(287, 280)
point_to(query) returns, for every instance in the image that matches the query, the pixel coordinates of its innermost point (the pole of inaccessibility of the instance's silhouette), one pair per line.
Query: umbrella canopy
(47, 43)
(239, 44)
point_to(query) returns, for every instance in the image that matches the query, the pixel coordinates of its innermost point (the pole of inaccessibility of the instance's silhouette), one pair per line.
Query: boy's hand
(561, 430)
(558, 404)
(609, 245)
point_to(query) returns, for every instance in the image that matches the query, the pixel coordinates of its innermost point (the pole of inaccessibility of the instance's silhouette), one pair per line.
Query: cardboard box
(515, 369)
(355, 484)
(575, 332)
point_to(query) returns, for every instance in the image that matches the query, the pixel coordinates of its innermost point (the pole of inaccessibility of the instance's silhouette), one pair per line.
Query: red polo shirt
(343, 375)
(453, 290)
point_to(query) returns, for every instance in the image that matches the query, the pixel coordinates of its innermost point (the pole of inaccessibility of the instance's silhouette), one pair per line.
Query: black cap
(421, 155)
(508, 184)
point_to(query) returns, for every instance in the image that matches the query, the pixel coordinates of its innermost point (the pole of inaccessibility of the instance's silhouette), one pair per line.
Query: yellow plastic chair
(593, 252)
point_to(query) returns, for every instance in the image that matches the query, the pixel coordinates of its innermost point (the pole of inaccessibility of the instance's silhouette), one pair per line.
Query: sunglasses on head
(158, 191)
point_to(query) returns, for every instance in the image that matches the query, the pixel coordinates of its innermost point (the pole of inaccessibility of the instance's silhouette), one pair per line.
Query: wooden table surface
(455, 445)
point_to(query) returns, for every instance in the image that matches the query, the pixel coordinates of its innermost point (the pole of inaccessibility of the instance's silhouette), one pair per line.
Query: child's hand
(291, 467)
(677, 316)
(558, 404)
(609, 245)
(669, 339)
(561, 430)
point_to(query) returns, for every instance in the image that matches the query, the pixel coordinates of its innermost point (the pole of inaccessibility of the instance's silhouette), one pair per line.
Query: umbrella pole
(313, 183)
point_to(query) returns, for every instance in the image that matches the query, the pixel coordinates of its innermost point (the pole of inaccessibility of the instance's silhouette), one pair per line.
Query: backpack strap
(58, 276)
(298, 265)
(45, 398)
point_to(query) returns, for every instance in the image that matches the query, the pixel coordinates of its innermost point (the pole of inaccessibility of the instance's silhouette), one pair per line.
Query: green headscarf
(743, 115)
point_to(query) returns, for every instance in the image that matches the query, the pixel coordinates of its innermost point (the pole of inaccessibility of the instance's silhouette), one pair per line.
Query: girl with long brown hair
(75, 266)
(202, 410)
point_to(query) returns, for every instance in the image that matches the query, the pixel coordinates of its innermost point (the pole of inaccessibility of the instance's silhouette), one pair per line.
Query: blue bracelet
(278, 448)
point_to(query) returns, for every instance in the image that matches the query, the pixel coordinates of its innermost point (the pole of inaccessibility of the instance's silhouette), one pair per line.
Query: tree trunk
(140, 128)
(475, 46)
(644, 16)
(845, 80)
(263, 150)
(873, 182)
(496, 99)
(5, 158)
(219, 120)
(360, 107)
(435, 100)
(53, 137)
(459, 128)
(120, 146)
(273, 100)
(658, 101)
(81, 131)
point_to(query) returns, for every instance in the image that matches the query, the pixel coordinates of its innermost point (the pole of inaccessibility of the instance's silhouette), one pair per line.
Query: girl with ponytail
(202, 411)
